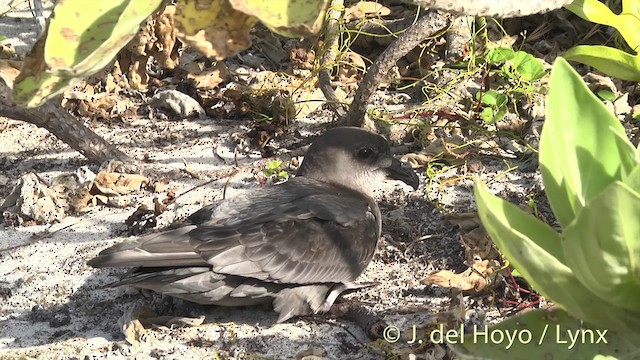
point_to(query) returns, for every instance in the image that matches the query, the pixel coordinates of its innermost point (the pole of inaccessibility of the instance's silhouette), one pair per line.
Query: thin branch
(427, 26)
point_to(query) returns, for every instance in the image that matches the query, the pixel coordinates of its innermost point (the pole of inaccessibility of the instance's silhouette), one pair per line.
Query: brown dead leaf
(475, 239)
(365, 9)
(451, 148)
(118, 184)
(157, 39)
(133, 322)
(131, 326)
(9, 70)
(141, 219)
(208, 78)
(474, 279)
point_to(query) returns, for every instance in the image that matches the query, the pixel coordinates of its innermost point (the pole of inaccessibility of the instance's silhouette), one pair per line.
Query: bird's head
(354, 158)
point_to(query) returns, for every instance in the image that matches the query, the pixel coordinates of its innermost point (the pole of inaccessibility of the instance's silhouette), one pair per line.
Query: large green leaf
(544, 334)
(82, 38)
(577, 157)
(293, 18)
(611, 61)
(627, 23)
(604, 243)
(536, 251)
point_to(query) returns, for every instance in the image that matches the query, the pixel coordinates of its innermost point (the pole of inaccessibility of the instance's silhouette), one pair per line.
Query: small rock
(177, 102)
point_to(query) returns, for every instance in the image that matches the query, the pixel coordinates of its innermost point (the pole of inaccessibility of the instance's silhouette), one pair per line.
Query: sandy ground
(53, 305)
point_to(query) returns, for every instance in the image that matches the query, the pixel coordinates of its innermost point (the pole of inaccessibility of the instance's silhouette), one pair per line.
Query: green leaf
(592, 10)
(82, 38)
(607, 95)
(488, 115)
(604, 243)
(545, 334)
(529, 67)
(631, 6)
(499, 55)
(610, 61)
(493, 114)
(627, 23)
(580, 154)
(3, 38)
(633, 180)
(274, 164)
(490, 97)
(292, 18)
(536, 251)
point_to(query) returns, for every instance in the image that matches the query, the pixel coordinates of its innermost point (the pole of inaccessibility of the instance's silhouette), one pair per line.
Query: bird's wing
(300, 232)
(167, 248)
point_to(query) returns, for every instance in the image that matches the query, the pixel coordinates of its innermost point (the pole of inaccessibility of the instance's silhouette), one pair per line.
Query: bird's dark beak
(403, 173)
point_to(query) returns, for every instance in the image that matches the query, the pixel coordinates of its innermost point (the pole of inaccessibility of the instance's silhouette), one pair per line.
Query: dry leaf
(207, 79)
(119, 184)
(474, 279)
(132, 323)
(364, 9)
(9, 70)
(131, 326)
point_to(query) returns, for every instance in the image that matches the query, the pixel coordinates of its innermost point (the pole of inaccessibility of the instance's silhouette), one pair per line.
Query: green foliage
(591, 269)
(495, 106)
(563, 337)
(521, 70)
(2, 38)
(84, 36)
(275, 169)
(611, 61)
(292, 18)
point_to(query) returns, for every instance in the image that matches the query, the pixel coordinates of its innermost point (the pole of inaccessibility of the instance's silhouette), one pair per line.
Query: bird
(297, 244)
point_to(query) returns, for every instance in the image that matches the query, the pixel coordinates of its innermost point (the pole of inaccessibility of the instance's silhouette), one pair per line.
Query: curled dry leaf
(452, 148)
(132, 323)
(207, 78)
(474, 279)
(365, 9)
(9, 70)
(157, 39)
(119, 184)
(476, 240)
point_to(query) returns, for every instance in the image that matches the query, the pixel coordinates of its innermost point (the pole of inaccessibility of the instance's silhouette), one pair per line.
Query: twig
(332, 33)
(52, 117)
(429, 25)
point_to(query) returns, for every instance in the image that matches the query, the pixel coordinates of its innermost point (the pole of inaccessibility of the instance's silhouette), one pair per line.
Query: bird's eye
(365, 153)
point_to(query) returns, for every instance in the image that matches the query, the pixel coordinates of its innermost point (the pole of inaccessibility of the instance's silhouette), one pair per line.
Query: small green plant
(521, 69)
(495, 106)
(611, 61)
(274, 169)
(591, 268)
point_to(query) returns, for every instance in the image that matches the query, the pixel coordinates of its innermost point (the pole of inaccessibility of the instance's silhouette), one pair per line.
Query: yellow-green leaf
(82, 38)
(292, 18)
